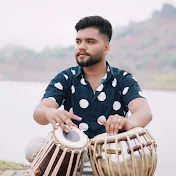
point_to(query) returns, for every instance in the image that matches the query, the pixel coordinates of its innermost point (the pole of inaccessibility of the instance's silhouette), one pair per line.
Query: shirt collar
(79, 70)
(110, 69)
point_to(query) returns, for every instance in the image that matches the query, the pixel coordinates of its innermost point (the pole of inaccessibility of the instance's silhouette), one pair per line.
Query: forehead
(89, 33)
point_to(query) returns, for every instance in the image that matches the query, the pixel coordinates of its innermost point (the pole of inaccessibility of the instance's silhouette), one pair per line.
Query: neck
(98, 69)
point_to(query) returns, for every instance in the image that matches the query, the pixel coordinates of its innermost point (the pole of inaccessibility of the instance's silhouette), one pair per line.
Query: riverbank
(9, 168)
(160, 82)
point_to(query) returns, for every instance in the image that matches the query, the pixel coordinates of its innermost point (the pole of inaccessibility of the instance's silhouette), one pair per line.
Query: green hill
(147, 49)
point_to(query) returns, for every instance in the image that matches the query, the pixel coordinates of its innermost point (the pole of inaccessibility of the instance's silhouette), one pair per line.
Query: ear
(106, 48)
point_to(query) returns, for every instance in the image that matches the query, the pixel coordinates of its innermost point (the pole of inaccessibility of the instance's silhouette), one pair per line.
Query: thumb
(102, 121)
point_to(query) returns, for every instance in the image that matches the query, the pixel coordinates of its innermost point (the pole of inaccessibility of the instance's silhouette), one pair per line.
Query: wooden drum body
(132, 153)
(61, 154)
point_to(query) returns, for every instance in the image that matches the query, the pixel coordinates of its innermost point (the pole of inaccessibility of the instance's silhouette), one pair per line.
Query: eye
(91, 42)
(78, 41)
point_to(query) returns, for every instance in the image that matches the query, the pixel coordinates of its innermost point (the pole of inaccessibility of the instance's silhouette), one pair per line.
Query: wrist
(47, 113)
(127, 125)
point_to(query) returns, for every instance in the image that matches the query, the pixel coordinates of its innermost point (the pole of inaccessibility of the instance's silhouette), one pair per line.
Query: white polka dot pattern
(141, 93)
(71, 110)
(73, 72)
(105, 76)
(52, 98)
(102, 117)
(83, 82)
(129, 113)
(58, 85)
(102, 96)
(83, 126)
(125, 73)
(125, 90)
(72, 89)
(114, 82)
(83, 103)
(124, 113)
(66, 77)
(61, 107)
(116, 105)
(100, 88)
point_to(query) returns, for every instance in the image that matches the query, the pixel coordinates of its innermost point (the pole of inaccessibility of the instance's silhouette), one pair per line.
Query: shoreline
(148, 88)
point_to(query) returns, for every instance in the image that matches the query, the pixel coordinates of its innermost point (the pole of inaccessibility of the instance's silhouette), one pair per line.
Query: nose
(82, 46)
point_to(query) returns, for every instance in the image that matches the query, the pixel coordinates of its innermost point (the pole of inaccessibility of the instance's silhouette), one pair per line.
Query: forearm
(140, 118)
(39, 114)
(41, 110)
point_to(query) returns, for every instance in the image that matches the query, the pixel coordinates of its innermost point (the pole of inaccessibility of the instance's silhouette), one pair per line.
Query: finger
(117, 126)
(121, 124)
(107, 126)
(58, 120)
(73, 116)
(53, 123)
(67, 120)
(112, 127)
(62, 125)
(75, 125)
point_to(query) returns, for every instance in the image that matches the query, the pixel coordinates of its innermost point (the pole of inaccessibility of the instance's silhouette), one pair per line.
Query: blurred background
(37, 41)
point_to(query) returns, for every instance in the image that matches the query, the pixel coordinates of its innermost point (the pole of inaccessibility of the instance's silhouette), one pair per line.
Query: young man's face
(91, 47)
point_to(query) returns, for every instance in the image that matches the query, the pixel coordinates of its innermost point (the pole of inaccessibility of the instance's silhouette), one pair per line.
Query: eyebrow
(87, 39)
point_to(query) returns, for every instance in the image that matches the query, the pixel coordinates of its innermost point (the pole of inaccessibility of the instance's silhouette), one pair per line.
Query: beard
(89, 61)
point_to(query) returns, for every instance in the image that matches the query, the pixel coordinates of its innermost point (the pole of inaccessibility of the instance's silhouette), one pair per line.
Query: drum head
(75, 138)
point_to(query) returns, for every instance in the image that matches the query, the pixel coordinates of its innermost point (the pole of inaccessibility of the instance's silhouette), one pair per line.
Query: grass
(9, 165)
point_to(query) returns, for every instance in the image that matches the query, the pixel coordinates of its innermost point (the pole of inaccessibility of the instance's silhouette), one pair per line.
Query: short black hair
(98, 22)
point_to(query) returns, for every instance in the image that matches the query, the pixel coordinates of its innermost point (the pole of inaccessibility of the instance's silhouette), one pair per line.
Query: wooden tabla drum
(132, 153)
(62, 154)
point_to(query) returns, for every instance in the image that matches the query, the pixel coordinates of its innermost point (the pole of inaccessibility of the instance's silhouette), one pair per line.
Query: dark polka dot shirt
(71, 89)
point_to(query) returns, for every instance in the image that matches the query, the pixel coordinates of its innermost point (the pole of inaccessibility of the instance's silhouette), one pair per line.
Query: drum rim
(82, 143)
(119, 136)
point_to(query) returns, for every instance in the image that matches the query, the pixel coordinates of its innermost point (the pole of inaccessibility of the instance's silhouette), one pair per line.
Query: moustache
(82, 53)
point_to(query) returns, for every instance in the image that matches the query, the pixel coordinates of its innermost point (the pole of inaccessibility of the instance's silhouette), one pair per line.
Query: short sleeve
(57, 88)
(129, 88)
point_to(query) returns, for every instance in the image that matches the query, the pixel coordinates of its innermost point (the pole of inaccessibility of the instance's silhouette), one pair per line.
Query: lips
(82, 54)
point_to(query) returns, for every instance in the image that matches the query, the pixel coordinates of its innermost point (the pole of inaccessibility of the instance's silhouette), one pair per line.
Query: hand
(61, 117)
(113, 124)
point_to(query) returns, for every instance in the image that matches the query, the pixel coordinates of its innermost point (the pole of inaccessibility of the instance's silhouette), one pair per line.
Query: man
(96, 96)
(93, 93)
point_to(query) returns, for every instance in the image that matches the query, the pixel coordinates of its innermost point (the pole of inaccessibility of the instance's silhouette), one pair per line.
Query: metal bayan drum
(132, 153)
(61, 154)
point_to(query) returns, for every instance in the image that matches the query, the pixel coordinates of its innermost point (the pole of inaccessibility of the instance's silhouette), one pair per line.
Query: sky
(37, 24)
